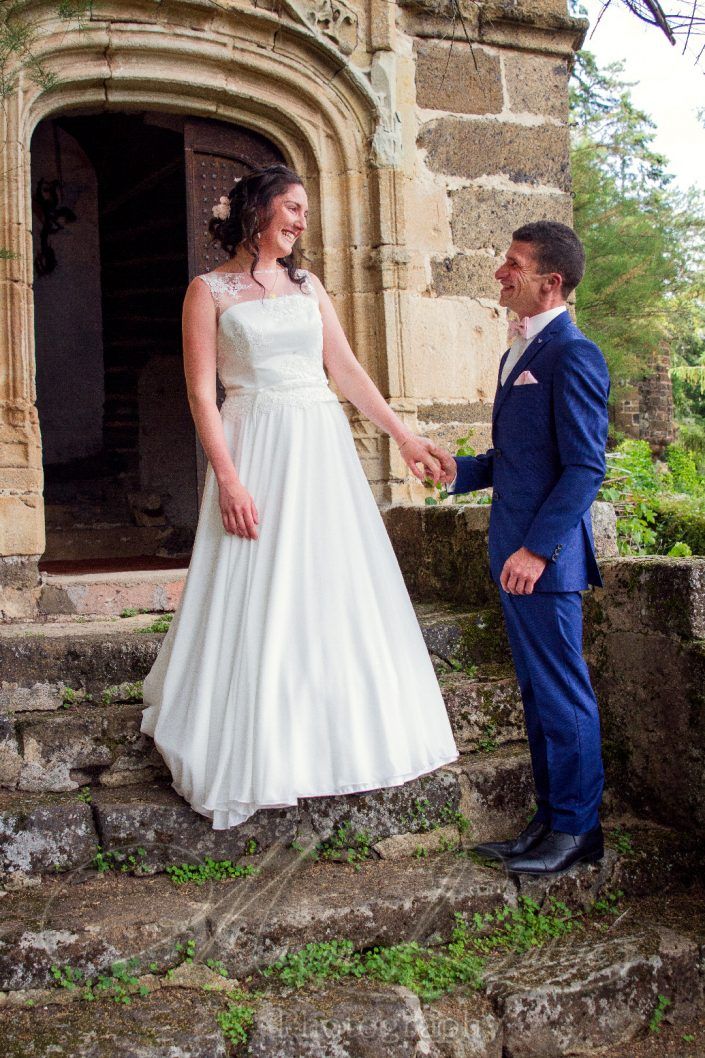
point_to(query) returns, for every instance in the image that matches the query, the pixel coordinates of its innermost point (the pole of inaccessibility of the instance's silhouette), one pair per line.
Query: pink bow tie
(518, 329)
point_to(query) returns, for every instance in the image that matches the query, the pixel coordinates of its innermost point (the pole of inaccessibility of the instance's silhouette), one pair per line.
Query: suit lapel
(552, 330)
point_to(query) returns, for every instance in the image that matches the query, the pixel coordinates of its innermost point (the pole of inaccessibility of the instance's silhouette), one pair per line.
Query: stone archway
(272, 77)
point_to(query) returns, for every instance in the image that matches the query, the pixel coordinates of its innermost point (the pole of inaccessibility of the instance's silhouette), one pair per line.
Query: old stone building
(425, 130)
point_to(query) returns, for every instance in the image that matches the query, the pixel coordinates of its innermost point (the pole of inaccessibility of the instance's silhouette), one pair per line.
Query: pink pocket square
(526, 379)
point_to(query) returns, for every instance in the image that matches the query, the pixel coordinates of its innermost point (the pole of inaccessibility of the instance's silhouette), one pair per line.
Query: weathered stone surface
(483, 712)
(463, 1026)
(654, 595)
(484, 218)
(386, 811)
(89, 656)
(155, 818)
(110, 593)
(470, 641)
(647, 657)
(497, 794)
(535, 154)
(579, 887)
(343, 1019)
(604, 529)
(94, 924)
(576, 998)
(63, 751)
(40, 834)
(465, 275)
(245, 922)
(400, 846)
(163, 1025)
(537, 84)
(457, 78)
(442, 552)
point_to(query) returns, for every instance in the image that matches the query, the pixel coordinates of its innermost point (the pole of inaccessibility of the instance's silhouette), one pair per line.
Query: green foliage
(116, 985)
(18, 36)
(208, 871)
(120, 861)
(659, 1013)
(236, 1020)
(160, 624)
(344, 845)
(680, 521)
(644, 283)
(660, 510)
(520, 928)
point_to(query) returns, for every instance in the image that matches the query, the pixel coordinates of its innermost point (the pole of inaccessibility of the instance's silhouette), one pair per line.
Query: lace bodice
(269, 349)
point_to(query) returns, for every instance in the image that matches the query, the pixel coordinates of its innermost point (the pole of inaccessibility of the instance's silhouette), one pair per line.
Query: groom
(549, 431)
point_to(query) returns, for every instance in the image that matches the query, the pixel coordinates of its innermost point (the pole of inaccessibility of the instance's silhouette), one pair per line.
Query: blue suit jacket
(548, 459)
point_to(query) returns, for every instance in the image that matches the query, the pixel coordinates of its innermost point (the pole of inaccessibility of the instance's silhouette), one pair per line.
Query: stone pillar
(21, 508)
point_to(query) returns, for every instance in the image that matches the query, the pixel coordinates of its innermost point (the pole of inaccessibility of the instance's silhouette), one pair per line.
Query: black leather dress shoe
(558, 851)
(502, 850)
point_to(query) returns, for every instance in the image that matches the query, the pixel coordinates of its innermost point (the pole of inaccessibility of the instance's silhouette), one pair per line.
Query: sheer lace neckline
(232, 288)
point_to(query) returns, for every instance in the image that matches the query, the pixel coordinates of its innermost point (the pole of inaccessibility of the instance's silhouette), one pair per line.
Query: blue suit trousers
(545, 634)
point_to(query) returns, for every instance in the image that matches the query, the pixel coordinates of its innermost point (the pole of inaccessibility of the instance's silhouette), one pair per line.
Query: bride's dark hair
(251, 212)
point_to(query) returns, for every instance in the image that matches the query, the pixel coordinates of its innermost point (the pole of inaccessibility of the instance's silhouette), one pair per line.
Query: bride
(294, 665)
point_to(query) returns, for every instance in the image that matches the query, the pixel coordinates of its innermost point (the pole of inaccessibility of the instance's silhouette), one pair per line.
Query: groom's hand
(521, 571)
(449, 468)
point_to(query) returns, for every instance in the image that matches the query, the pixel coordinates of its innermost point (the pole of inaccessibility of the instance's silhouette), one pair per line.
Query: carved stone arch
(246, 66)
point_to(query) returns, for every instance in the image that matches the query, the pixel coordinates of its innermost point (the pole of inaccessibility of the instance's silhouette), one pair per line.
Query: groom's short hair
(557, 249)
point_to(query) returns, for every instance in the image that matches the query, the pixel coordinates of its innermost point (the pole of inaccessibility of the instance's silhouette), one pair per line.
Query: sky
(670, 87)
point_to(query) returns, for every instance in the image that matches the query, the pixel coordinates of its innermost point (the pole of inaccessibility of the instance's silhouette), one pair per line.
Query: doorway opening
(121, 203)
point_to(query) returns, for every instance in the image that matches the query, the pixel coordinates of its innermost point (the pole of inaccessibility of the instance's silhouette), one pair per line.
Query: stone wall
(645, 411)
(425, 132)
(644, 640)
(646, 646)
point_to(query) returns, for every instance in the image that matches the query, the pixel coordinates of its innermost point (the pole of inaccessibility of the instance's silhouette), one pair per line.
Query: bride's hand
(238, 509)
(415, 450)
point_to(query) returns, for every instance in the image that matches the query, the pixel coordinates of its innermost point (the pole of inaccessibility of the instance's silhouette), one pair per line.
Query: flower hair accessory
(221, 209)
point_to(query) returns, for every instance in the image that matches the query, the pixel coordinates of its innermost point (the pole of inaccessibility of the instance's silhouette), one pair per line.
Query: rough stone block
(457, 78)
(485, 217)
(527, 154)
(466, 275)
(497, 794)
(161, 822)
(483, 713)
(579, 997)
(537, 84)
(646, 650)
(41, 834)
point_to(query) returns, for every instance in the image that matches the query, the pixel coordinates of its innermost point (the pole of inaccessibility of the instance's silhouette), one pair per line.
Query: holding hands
(436, 462)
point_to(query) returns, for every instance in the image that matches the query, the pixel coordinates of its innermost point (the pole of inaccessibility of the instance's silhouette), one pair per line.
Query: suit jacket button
(495, 496)
(497, 453)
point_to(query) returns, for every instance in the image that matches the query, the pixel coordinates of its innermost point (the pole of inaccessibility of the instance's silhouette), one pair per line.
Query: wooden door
(216, 154)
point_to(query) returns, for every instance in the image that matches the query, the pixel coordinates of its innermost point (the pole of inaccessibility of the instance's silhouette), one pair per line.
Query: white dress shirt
(535, 325)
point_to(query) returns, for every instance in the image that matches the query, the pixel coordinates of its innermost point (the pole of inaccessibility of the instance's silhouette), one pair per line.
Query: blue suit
(546, 467)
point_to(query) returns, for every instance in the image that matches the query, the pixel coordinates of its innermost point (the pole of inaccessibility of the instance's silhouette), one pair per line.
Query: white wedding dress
(294, 665)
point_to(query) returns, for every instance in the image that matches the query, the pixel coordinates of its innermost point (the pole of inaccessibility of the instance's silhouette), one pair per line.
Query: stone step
(100, 742)
(480, 795)
(97, 541)
(111, 593)
(543, 1008)
(249, 922)
(89, 654)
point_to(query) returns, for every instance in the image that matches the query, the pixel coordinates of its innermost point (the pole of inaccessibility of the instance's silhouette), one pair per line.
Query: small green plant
(688, 1037)
(342, 844)
(487, 742)
(250, 847)
(680, 550)
(160, 624)
(120, 861)
(208, 871)
(450, 816)
(608, 903)
(84, 794)
(187, 950)
(621, 840)
(116, 985)
(217, 967)
(659, 1013)
(122, 692)
(420, 852)
(418, 817)
(237, 1019)
(520, 928)
(70, 697)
